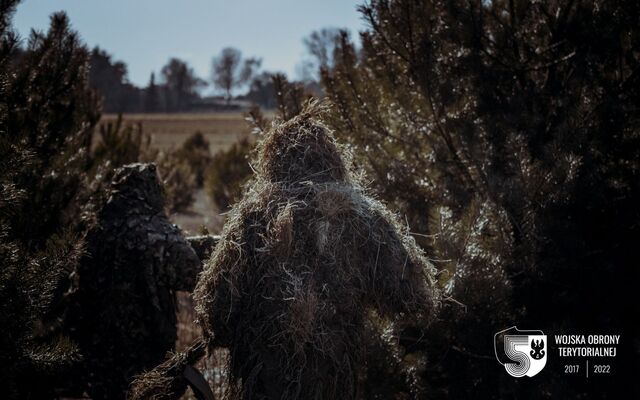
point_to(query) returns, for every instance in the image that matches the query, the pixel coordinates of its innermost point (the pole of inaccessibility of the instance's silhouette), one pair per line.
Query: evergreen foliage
(196, 154)
(507, 132)
(51, 164)
(228, 172)
(109, 78)
(47, 114)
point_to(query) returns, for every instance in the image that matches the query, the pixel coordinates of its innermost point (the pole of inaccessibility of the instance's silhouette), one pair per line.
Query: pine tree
(47, 113)
(152, 102)
(507, 133)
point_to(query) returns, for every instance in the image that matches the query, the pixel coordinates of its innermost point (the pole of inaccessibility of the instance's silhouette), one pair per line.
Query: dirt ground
(202, 213)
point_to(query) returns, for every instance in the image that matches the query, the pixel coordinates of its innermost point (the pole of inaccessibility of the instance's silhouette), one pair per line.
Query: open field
(170, 130)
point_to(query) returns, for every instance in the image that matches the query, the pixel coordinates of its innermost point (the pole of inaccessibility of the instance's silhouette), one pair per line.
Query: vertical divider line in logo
(587, 368)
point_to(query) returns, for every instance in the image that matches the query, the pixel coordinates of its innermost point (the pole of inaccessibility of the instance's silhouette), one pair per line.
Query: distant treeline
(177, 89)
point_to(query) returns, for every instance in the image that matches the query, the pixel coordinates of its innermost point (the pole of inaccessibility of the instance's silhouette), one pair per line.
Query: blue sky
(146, 33)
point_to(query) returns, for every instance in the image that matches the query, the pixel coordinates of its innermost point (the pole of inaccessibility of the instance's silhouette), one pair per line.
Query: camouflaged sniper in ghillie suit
(306, 259)
(123, 315)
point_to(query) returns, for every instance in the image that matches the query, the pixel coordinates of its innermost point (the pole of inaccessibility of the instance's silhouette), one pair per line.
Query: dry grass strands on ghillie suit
(168, 380)
(122, 313)
(305, 257)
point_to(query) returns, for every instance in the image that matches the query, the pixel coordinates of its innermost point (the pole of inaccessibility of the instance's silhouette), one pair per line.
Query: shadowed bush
(47, 115)
(49, 172)
(228, 172)
(120, 143)
(507, 133)
(195, 153)
(178, 181)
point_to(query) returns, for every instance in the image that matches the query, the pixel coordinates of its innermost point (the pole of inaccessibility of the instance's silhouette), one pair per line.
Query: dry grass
(170, 130)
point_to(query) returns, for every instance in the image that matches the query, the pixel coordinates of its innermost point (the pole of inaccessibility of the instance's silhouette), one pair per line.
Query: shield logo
(522, 353)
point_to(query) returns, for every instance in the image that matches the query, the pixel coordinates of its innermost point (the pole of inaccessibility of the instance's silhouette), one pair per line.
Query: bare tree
(229, 70)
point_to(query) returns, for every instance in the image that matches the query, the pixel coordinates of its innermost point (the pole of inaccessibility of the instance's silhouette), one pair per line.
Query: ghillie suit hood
(122, 312)
(305, 260)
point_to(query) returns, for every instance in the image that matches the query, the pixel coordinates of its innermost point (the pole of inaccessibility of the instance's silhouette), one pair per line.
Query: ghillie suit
(305, 260)
(122, 313)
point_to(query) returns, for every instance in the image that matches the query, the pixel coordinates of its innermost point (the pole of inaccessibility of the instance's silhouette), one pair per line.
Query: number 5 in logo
(521, 352)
